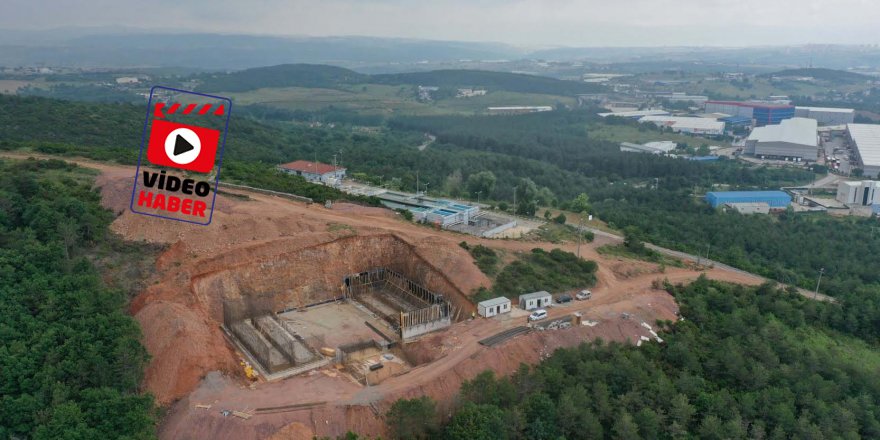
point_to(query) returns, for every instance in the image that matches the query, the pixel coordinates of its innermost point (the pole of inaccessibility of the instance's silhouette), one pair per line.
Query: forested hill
(285, 75)
(837, 76)
(330, 77)
(745, 363)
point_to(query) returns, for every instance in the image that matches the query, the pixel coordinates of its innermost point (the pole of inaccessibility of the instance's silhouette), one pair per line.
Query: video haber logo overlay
(184, 136)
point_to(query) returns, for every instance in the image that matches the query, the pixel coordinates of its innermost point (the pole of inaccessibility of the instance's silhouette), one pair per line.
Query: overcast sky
(521, 22)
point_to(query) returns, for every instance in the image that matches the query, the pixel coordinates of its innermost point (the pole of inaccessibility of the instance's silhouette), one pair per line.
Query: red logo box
(182, 146)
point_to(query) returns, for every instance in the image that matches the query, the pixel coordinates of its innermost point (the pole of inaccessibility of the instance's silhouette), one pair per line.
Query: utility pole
(478, 197)
(514, 200)
(816, 294)
(580, 234)
(417, 183)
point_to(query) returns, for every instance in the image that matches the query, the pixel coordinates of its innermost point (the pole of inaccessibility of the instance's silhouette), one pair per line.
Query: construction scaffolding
(273, 344)
(410, 308)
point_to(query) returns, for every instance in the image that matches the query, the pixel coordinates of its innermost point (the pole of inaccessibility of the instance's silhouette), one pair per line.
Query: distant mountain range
(216, 51)
(122, 47)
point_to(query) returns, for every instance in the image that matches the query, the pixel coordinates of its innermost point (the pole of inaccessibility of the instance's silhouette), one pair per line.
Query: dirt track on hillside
(193, 364)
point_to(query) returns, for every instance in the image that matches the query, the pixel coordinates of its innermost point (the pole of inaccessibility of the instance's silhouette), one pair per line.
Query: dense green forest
(552, 150)
(789, 247)
(745, 363)
(71, 359)
(548, 157)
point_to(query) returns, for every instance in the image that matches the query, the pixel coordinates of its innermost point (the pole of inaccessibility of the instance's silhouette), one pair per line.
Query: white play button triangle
(182, 146)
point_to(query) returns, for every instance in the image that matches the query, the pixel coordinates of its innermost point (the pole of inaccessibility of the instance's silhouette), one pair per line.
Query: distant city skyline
(524, 23)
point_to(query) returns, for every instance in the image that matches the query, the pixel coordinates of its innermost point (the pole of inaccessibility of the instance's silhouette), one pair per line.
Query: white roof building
(494, 306)
(826, 115)
(685, 124)
(636, 114)
(657, 147)
(865, 138)
(791, 138)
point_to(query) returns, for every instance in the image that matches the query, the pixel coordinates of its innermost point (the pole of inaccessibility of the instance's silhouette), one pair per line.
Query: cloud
(522, 22)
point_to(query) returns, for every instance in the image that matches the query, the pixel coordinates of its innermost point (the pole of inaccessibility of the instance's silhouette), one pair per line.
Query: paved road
(708, 262)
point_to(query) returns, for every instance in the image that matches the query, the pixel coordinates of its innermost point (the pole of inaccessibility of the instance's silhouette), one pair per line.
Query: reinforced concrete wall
(314, 274)
(419, 310)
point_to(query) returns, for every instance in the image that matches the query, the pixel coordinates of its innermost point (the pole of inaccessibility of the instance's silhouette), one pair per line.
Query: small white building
(535, 300)
(494, 306)
(749, 208)
(468, 93)
(519, 109)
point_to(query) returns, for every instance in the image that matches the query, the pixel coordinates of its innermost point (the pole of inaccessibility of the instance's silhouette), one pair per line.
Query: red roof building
(313, 170)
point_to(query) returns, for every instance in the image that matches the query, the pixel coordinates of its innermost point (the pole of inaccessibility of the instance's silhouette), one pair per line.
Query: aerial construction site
(292, 320)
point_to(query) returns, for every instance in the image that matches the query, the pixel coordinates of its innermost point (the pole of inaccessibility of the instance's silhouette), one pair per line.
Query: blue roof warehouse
(775, 199)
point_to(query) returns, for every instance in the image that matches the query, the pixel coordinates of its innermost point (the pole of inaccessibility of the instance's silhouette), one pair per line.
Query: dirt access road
(193, 364)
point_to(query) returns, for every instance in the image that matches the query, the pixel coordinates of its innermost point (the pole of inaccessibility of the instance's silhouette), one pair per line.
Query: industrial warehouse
(826, 115)
(773, 199)
(792, 139)
(762, 113)
(687, 125)
(865, 140)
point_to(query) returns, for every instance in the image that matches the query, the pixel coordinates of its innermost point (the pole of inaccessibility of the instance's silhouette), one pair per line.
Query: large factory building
(761, 112)
(774, 199)
(865, 139)
(792, 139)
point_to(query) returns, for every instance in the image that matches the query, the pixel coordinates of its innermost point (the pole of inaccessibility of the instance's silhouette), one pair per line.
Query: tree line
(745, 363)
(71, 360)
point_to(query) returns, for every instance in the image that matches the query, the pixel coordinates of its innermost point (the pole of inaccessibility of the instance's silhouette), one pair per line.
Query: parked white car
(538, 315)
(583, 294)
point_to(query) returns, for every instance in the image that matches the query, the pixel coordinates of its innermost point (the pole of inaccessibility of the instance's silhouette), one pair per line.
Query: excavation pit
(337, 324)
(370, 363)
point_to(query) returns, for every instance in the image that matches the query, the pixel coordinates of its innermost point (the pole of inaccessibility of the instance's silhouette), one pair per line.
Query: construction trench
(285, 333)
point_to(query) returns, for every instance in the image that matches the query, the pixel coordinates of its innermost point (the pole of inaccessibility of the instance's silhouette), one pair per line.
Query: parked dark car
(562, 299)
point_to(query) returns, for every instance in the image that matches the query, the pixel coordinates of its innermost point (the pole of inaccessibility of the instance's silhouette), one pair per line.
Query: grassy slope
(386, 99)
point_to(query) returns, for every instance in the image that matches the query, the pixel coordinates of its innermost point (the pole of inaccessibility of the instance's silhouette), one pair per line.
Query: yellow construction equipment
(249, 371)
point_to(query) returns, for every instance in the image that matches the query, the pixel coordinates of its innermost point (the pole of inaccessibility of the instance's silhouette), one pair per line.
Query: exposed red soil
(265, 244)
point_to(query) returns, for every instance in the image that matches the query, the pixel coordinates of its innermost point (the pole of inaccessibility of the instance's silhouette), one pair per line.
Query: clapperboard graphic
(181, 151)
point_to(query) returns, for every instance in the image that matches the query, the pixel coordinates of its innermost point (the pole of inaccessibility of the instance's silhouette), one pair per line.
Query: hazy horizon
(526, 24)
